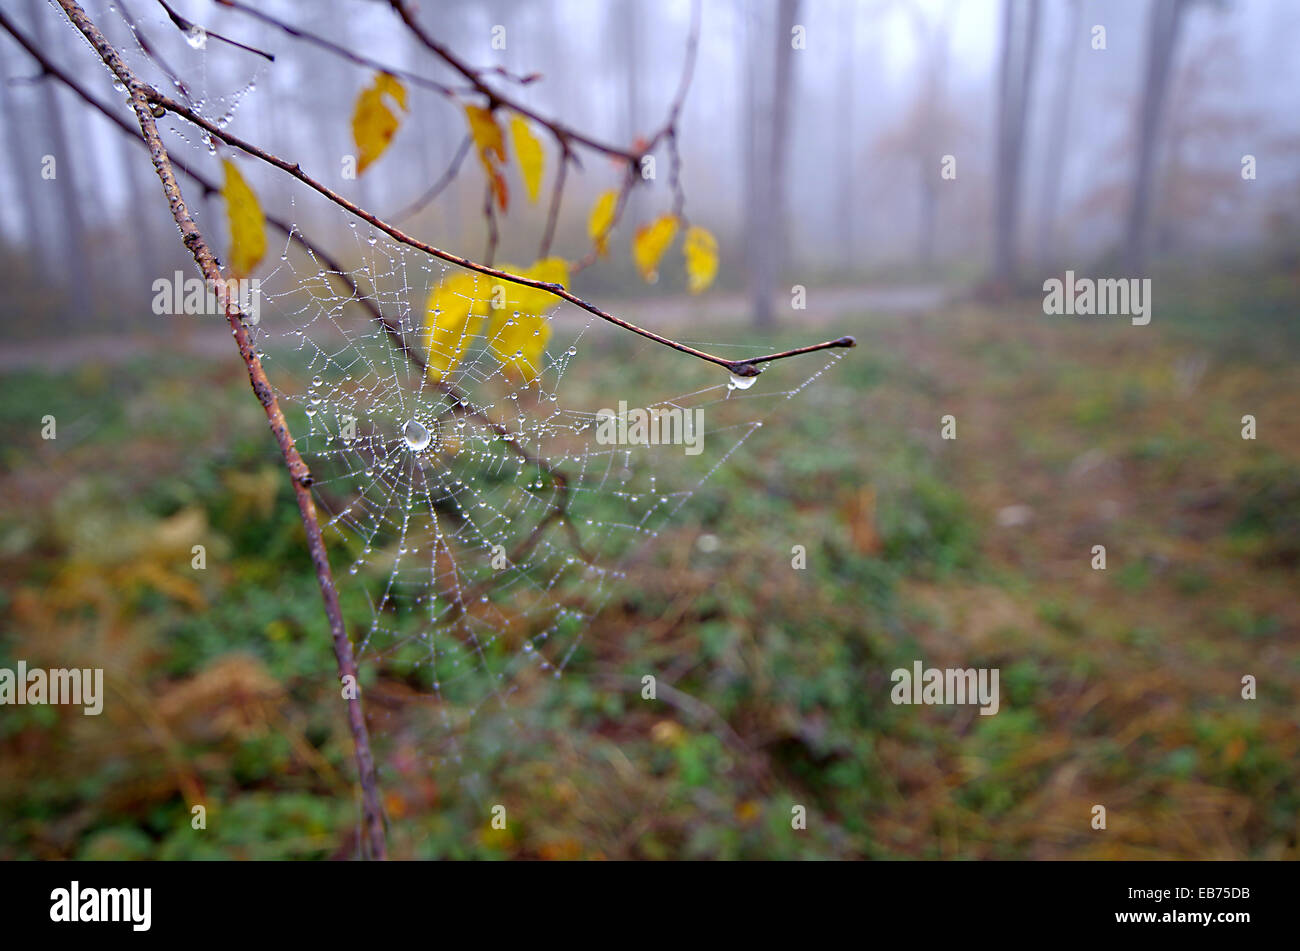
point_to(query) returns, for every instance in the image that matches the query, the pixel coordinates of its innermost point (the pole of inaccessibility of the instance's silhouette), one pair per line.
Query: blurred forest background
(819, 167)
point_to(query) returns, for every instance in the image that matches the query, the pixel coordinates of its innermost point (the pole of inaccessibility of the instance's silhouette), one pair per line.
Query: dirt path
(680, 311)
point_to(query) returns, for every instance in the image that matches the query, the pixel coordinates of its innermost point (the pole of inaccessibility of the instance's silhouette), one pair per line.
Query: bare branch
(460, 404)
(738, 367)
(188, 27)
(489, 212)
(441, 184)
(193, 239)
(557, 195)
(494, 98)
(338, 49)
(147, 48)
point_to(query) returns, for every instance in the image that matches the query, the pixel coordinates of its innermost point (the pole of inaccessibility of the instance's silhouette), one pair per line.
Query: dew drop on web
(416, 436)
(741, 382)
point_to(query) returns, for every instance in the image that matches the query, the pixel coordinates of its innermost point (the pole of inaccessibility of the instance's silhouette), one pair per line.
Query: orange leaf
(491, 145)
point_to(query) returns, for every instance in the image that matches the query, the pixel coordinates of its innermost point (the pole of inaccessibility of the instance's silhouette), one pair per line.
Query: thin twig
(437, 188)
(557, 195)
(747, 367)
(339, 50)
(494, 98)
(625, 190)
(490, 213)
(147, 48)
(188, 27)
(460, 404)
(300, 476)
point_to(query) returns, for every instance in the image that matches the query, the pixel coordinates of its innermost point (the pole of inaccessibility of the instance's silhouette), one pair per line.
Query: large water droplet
(741, 382)
(416, 436)
(197, 37)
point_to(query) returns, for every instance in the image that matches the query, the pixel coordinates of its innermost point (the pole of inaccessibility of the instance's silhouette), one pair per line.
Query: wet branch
(441, 184)
(198, 247)
(188, 27)
(746, 367)
(459, 402)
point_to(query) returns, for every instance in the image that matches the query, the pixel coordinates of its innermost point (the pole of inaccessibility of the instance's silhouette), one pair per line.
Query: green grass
(1118, 687)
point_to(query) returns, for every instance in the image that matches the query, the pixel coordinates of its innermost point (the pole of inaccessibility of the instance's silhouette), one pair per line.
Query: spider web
(476, 523)
(480, 516)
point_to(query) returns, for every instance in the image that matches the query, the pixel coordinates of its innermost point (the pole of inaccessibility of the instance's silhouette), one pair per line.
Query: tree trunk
(847, 152)
(1162, 39)
(74, 245)
(770, 239)
(25, 170)
(624, 25)
(1054, 166)
(1019, 42)
(751, 212)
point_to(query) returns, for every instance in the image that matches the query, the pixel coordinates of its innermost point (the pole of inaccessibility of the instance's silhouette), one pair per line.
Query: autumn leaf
(373, 123)
(246, 223)
(651, 242)
(529, 152)
(487, 133)
(602, 219)
(701, 251)
(520, 328)
(513, 297)
(491, 145)
(518, 331)
(455, 310)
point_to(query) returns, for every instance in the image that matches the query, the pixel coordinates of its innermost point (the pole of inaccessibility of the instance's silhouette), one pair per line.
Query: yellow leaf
(602, 219)
(491, 145)
(516, 297)
(529, 152)
(448, 332)
(701, 250)
(487, 134)
(518, 331)
(520, 328)
(651, 242)
(246, 222)
(373, 123)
